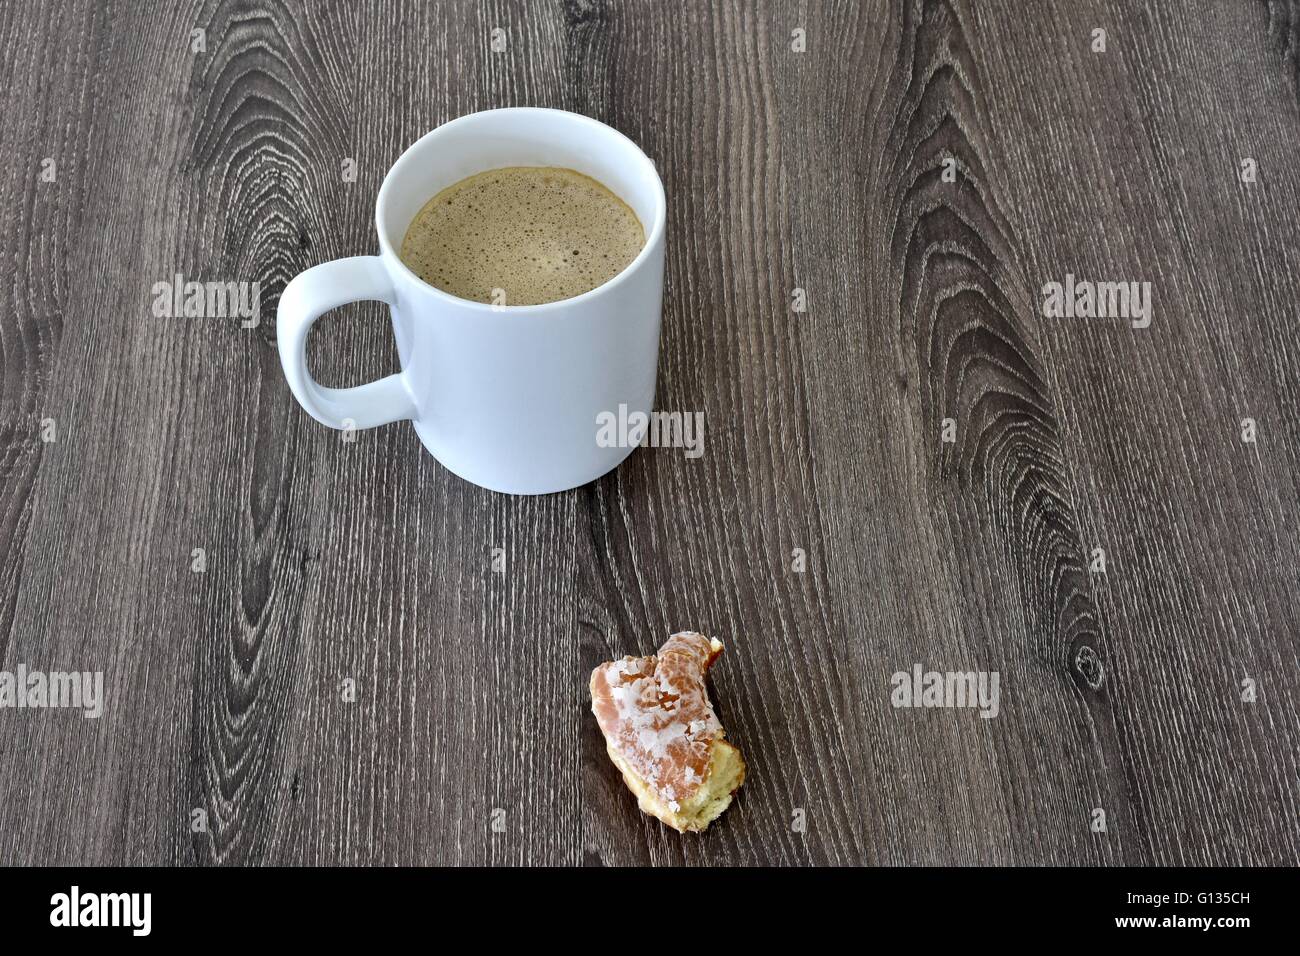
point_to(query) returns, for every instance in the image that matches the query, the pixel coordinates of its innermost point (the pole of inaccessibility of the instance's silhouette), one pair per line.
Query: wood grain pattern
(334, 565)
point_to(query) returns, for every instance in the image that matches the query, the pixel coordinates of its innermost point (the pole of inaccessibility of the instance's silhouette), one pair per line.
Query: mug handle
(309, 296)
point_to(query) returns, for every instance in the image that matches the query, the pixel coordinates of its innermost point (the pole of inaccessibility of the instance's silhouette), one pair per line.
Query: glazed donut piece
(661, 732)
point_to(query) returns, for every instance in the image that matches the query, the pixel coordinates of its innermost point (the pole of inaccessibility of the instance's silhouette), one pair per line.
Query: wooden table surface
(1148, 713)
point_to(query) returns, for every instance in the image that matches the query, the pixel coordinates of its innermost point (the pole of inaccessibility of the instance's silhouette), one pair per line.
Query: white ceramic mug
(507, 397)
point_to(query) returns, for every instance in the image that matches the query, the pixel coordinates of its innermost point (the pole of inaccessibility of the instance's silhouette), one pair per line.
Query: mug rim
(653, 235)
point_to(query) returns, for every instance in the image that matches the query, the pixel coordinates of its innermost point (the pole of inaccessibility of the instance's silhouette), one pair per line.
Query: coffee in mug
(522, 235)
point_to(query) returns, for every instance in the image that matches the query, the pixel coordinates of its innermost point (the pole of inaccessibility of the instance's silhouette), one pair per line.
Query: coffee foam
(539, 233)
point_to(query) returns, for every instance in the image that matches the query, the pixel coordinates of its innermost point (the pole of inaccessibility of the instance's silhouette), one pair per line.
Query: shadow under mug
(506, 397)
